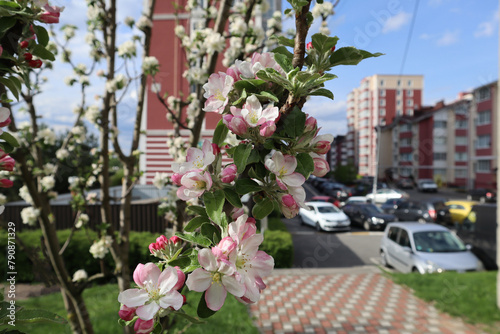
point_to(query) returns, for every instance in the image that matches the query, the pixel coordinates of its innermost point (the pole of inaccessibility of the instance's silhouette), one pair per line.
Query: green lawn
(103, 308)
(471, 296)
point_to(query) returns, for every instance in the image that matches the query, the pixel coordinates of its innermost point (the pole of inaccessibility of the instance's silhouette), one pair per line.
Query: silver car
(324, 216)
(425, 248)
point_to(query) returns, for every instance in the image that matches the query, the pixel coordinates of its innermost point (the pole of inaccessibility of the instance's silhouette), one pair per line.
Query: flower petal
(199, 280)
(250, 246)
(147, 312)
(137, 275)
(233, 286)
(133, 297)
(290, 164)
(215, 296)
(294, 179)
(173, 298)
(150, 272)
(167, 280)
(207, 259)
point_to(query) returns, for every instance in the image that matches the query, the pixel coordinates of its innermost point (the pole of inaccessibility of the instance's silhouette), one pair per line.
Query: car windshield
(437, 242)
(327, 209)
(372, 209)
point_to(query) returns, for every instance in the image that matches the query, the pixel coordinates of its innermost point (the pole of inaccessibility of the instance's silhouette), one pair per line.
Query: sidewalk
(346, 300)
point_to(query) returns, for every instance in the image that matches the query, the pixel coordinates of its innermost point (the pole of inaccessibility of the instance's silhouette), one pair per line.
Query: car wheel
(415, 270)
(318, 227)
(383, 259)
(421, 220)
(366, 225)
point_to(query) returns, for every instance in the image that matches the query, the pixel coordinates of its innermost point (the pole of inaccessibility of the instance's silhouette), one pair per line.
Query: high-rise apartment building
(378, 101)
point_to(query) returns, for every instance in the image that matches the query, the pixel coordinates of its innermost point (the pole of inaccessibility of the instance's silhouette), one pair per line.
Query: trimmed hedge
(279, 245)
(76, 255)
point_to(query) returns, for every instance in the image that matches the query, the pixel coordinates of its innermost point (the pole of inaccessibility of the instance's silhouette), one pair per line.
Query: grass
(471, 296)
(103, 309)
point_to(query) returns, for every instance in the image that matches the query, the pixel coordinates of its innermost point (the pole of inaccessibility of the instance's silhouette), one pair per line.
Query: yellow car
(459, 210)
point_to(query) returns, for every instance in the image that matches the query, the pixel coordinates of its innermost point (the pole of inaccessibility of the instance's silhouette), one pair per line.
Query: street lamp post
(377, 157)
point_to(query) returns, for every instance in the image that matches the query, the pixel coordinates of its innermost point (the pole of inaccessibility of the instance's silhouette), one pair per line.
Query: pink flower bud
(216, 148)
(321, 167)
(175, 239)
(227, 245)
(309, 46)
(321, 147)
(251, 220)
(267, 129)
(236, 124)
(237, 212)
(311, 124)
(127, 313)
(176, 179)
(6, 183)
(161, 241)
(333, 49)
(228, 174)
(51, 14)
(23, 44)
(180, 281)
(5, 123)
(153, 247)
(144, 326)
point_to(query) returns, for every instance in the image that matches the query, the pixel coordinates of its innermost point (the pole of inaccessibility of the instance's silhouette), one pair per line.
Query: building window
(409, 112)
(460, 156)
(406, 157)
(381, 111)
(439, 155)
(405, 127)
(461, 173)
(483, 141)
(382, 102)
(483, 166)
(439, 124)
(398, 92)
(399, 102)
(483, 94)
(382, 82)
(440, 140)
(405, 171)
(398, 112)
(461, 140)
(405, 142)
(382, 92)
(461, 124)
(484, 117)
(439, 172)
(409, 103)
(409, 93)
(399, 83)
(461, 109)
(409, 83)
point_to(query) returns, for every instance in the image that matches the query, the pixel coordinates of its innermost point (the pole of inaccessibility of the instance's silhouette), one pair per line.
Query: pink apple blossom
(216, 277)
(176, 179)
(263, 61)
(7, 163)
(144, 326)
(311, 124)
(194, 184)
(156, 290)
(321, 166)
(237, 212)
(321, 144)
(216, 91)
(267, 129)
(254, 115)
(236, 124)
(51, 14)
(127, 313)
(291, 203)
(4, 117)
(283, 166)
(196, 158)
(6, 183)
(225, 246)
(229, 173)
(242, 228)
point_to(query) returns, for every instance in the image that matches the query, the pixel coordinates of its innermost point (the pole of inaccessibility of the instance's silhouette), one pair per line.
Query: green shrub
(279, 245)
(76, 255)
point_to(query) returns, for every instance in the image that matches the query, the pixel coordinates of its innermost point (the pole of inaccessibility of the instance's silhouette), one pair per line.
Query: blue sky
(454, 44)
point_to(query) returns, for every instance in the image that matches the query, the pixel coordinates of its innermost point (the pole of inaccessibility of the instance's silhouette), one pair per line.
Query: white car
(382, 195)
(425, 248)
(324, 216)
(427, 185)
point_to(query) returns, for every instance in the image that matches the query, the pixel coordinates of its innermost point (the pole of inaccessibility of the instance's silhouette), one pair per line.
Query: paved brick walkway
(346, 301)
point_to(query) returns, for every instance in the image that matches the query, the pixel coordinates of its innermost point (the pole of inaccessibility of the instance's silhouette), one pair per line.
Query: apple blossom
(83, 219)
(194, 184)
(216, 277)
(229, 173)
(48, 182)
(25, 195)
(127, 313)
(144, 23)
(291, 203)
(6, 183)
(253, 114)
(196, 158)
(283, 166)
(62, 154)
(267, 129)
(216, 91)
(100, 248)
(30, 215)
(4, 117)
(80, 275)
(321, 144)
(7, 163)
(156, 291)
(321, 166)
(127, 49)
(48, 136)
(235, 122)
(144, 326)
(51, 14)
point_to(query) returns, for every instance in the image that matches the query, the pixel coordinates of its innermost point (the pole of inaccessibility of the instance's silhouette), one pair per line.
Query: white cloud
(396, 22)
(448, 38)
(321, 108)
(487, 28)
(425, 36)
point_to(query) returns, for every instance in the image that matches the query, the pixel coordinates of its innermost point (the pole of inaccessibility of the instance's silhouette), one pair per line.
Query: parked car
(459, 210)
(427, 186)
(479, 230)
(324, 216)
(405, 184)
(337, 190)
(328, 199)
(423, 212)
(356, 199)
(425, 248)
(392, 204)
(482, 195)
(382, 195)
(367, 216)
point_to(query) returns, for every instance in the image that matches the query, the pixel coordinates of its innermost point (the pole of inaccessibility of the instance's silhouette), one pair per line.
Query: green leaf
(263, 208)
(232, 197)
(6, 22)
(242, 98)
(241, 155)
(196, 238)
(220, 133)
(286, 41)
(214, 202)
(37, 315)
(269, 96)
(322, 92)
(9, 139)
(10, 4)
(245, 186)
(323, 43)
(41, 52)
(211, 232)
(248, 84)
(287, 11)
(350, 56)
(199, 210)
(7, 82)
(253, 157)
(195, 223)
(305, 164)
(295, 122)
(270, 74)
(181, 262)
(203, 310)
(284, 62)
(42, 35)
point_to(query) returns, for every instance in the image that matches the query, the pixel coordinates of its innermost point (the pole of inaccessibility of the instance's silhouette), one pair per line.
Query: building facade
(377, 102)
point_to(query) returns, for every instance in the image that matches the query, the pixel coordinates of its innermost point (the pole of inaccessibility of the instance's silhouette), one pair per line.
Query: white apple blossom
(80, 69)
(324, 28)
(144, 23)
(49, 168)
(100, 248)
(48, 182)
(84, 80)
(322, 9)
(47, 136)
(68, 31)
(30, 215)
(214, 42)
(62, 154)
(83, 219)
(74, 181)
(160, 180)
(127, 49)
(195, 75)
(69, 81)
(151, 65)
(180, 31)
(90, 181)
(90, 38)
(80, 275)
(93, 113)
(25, 195)
(129, 21)
(238, 26)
